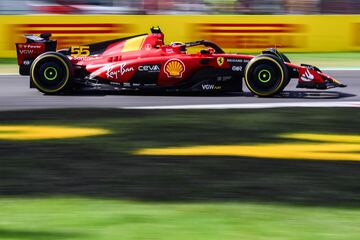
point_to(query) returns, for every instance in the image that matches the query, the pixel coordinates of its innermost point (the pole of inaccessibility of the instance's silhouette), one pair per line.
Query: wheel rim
(264, 76)
(50, 73)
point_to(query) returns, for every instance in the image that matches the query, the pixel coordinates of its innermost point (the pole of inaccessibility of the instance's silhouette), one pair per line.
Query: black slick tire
(51, 73)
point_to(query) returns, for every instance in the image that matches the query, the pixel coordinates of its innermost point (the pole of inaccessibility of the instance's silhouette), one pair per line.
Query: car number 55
(80, 51)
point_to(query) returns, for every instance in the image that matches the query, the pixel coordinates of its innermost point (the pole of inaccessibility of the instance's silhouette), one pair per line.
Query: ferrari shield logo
(220, 61)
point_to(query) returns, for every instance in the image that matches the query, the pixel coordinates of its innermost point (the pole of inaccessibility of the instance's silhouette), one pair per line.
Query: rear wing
(33, 47)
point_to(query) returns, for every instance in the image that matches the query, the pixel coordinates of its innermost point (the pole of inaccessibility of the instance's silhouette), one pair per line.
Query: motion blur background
(181, 7)
(102, 188)
(238, 26)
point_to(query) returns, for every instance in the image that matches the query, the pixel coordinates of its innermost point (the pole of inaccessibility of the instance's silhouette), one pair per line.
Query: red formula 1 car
(145, 62)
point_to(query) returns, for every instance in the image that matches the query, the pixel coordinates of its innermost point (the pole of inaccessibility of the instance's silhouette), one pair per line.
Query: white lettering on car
(26, 51)
(30, 46)
(210, 87)
(236, 68)
(149, 68)
(110, 73)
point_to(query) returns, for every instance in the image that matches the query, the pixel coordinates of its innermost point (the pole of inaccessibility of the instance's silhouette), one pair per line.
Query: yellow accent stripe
(331, 147)
(29, 132)
(247, 80)
(324, 137)
(133, 44)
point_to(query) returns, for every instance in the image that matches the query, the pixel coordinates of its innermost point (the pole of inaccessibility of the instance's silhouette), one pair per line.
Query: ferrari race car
(145, 62)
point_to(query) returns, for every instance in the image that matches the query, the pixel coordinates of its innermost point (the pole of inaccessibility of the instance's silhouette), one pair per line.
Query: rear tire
(51, 73)
(266, 75)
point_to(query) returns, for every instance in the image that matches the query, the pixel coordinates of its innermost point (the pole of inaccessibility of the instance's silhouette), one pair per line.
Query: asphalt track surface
(15, 94)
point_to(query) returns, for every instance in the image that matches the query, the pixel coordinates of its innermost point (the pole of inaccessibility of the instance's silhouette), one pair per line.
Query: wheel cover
(46, 82)
(50, 73)
(264, 76)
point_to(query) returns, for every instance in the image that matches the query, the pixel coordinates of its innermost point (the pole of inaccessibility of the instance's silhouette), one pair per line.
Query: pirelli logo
(74, 34)
(253, 35)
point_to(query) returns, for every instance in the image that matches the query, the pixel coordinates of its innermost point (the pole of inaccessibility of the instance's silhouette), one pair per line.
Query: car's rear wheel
(51, 73)
(266, 75)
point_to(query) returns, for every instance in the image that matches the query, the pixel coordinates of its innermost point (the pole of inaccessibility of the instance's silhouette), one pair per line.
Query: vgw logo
(210, 87)
(26, 51)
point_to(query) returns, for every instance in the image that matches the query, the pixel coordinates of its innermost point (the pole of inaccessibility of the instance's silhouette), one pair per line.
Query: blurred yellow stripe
(324, 137)
(22, 132)
(347, 149)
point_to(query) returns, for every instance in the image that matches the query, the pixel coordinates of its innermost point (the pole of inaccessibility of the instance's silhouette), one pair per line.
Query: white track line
(252, 105)
(9, 74)
(341, 69)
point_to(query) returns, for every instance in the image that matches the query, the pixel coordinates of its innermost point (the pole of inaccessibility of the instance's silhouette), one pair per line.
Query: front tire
(266, 75)
(51, 73)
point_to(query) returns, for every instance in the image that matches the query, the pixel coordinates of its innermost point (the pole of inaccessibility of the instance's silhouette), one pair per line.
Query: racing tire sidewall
(266, 75)
(50, 73)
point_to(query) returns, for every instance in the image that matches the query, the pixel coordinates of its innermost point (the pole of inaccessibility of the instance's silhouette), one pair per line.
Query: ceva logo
(149, 68)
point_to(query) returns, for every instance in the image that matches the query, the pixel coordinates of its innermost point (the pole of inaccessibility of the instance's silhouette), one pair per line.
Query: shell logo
(174, 68)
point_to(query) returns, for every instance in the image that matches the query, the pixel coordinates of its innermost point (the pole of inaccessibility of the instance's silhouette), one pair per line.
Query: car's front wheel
(51, 73)
(266, 75)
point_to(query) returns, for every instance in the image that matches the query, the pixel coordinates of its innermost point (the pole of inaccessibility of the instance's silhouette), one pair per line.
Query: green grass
(94, 188)
(104, 166)
(79, 218)
(325, 60)
(8, 65)
(347, 59)
(8, 61)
